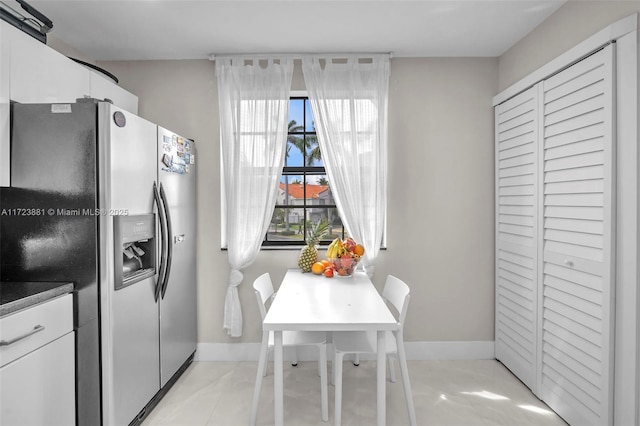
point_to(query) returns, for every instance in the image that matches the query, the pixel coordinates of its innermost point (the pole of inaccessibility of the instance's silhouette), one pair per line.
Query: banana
(337, 247)
(332, 250)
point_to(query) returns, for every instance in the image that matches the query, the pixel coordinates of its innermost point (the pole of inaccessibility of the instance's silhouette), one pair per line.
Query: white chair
(264, 293)
(395, 292)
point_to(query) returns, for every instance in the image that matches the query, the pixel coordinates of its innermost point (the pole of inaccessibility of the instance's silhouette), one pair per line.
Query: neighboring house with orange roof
(313, 194)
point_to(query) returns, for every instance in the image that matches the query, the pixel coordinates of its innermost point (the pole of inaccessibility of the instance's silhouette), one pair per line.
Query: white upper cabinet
(32, 72)
(41, 74)
(103, 88)
(35, 73)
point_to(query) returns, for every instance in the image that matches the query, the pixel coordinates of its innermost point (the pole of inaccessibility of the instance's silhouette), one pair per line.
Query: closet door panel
(517, 149)
(583, 94)
(578, 175)
(585, 186)
(582, 147)
(555, 260)
(575, 161)
(576, 280)
(574, 79)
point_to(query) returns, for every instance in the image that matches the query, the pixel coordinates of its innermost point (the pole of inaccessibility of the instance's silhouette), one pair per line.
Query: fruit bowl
(344, 266)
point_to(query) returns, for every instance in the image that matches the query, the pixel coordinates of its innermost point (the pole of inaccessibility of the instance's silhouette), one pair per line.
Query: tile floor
(461, 393)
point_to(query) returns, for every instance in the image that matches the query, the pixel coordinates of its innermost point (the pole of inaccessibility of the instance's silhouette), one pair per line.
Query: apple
(349, 244)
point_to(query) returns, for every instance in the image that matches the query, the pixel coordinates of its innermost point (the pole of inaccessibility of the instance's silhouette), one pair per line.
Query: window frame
(302, 171)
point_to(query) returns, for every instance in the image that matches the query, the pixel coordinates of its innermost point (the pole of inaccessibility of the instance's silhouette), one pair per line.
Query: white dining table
(311, 302)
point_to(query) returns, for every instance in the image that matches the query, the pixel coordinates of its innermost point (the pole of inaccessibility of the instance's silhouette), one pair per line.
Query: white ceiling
(182, 29)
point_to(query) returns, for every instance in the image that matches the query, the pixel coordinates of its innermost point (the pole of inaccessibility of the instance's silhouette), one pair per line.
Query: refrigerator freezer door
(178, 329)
(130, 314)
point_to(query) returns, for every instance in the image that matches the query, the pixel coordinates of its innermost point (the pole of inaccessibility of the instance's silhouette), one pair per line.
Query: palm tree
(308, 146)
(314, 146)
(292, 140)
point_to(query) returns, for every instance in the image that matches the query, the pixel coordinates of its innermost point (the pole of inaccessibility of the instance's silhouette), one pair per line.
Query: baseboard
(414, 350)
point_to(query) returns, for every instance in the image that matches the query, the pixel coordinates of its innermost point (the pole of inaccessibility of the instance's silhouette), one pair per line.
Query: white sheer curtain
(349, 98)
(254, 103)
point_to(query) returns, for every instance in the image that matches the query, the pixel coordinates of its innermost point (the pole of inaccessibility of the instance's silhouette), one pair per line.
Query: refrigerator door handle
(163, 241)
(167, 217)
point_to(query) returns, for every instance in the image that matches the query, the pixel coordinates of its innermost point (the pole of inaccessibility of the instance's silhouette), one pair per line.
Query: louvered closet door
(576, 347)
(516, 237)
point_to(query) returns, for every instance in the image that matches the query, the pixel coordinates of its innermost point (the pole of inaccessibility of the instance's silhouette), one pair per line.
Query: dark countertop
(19, 295)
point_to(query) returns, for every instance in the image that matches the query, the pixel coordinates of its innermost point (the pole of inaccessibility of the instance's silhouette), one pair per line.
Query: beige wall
(440, 228)
(572, 23)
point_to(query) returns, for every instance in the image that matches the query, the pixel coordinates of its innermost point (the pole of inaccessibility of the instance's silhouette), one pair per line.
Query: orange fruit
(326, 263)
(328, 272)
(358, 249)
(317, 268)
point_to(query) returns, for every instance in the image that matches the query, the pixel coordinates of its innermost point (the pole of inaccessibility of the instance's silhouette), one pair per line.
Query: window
(304, 193)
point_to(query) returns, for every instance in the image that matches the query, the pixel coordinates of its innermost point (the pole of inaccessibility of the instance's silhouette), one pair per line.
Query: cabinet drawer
(33, 327)
(39, 388)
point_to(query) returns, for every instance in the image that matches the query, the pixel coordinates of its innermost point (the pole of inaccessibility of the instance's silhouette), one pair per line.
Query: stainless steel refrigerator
(177, 177)
(118, 199)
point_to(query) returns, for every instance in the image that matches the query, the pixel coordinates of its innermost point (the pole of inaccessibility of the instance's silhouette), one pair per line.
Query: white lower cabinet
(38, 389)
(37, 377)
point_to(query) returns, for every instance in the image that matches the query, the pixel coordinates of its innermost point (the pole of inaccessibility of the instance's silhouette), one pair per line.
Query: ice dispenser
(135, 256)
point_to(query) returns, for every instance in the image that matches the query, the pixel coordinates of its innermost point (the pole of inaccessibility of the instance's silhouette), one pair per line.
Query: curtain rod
(213, 56)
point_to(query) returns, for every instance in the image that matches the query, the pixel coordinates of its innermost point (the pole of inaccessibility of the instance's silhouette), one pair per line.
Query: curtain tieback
(235, 278)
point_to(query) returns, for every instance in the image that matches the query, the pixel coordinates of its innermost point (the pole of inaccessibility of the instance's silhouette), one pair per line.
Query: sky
(296, 112)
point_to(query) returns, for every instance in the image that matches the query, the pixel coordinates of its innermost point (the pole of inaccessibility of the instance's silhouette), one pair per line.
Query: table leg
(382, 379)
(278, 385)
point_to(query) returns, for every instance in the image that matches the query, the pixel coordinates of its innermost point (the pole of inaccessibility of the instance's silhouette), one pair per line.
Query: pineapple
(309, 253)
